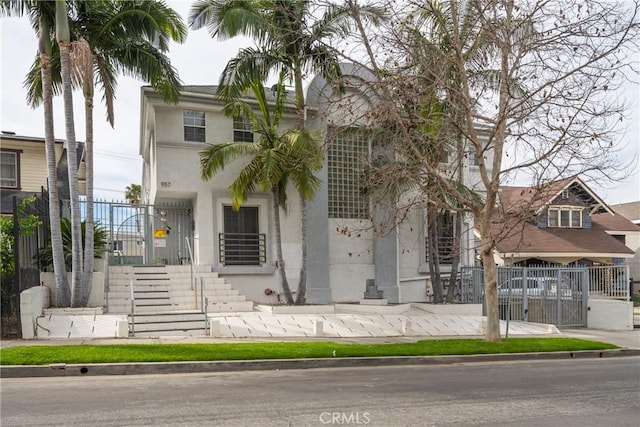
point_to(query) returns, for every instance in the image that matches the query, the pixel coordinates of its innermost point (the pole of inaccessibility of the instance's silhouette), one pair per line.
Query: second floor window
(9, 166)
(562, 217)
(242, 130)
(194, 125)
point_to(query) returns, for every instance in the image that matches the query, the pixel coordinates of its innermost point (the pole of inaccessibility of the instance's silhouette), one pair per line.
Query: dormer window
(565, 217)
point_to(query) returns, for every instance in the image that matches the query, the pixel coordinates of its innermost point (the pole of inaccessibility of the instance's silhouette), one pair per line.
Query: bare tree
(528, 88)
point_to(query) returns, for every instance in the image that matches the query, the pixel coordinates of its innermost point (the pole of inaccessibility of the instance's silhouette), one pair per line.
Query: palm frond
(216, 157)
(227, 18)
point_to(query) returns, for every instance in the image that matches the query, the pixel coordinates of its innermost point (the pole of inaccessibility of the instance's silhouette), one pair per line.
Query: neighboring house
(343, 249)
(561, 223)
(24, 168)
(631, 211)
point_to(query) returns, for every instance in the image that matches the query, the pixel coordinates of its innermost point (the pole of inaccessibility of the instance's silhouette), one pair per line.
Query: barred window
(194, 125)
(446, 245)
(347, 156)
(242, 129)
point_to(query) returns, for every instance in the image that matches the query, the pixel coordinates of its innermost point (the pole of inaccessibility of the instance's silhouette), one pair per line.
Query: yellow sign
(160, 233)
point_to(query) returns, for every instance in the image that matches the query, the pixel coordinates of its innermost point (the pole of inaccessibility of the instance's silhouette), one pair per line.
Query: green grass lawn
(42, 355)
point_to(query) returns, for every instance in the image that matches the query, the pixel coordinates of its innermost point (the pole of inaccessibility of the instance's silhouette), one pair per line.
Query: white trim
(563, 255)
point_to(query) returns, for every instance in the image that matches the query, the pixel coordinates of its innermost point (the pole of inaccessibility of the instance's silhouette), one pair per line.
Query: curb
(144, 368)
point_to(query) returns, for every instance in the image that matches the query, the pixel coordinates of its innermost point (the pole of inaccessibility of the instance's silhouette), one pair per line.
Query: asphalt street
(580, 392)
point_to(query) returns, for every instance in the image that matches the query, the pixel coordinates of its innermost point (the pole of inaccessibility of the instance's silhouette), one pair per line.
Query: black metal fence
(27, 245)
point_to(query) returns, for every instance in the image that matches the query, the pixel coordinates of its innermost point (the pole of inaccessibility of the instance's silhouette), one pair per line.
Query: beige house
(24, 168)
(563, 223)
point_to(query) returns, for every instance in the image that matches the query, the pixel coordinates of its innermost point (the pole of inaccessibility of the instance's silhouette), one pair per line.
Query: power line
(118, 155)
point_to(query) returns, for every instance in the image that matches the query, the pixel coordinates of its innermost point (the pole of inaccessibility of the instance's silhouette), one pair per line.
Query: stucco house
(561, 223)
(343, 249)
(631, 211)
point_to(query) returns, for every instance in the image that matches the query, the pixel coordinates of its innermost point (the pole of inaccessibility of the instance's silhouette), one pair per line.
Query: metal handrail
(133, 300)
(204, 298)
(194, 276)
(204, 304)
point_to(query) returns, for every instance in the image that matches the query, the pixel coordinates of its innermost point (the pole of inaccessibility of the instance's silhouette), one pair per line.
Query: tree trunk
(433, 255)
(63, 294)
(301, 296)
(63, 36)
(455, 262)
(87, 277)
(302, 283)
(279, 259)
(492, 331)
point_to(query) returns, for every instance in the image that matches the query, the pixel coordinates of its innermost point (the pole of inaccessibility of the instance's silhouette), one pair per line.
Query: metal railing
(609, 282)
(192, 263)
(132, 329)
(446, 246)
(242, 248)
(204, 298)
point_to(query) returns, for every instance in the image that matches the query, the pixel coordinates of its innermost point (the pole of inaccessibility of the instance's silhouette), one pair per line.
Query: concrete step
(167, 268)
(228, 307)
(168, 323)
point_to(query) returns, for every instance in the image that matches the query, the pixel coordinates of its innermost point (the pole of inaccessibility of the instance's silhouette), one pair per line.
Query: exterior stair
(168, 323)
(164, 302)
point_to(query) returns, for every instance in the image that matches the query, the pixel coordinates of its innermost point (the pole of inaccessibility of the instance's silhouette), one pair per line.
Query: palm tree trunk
(455, 262)
(301, 296)
(63, 37)
(87, 277)
(63, 295)
(279, 258)
(434, 256)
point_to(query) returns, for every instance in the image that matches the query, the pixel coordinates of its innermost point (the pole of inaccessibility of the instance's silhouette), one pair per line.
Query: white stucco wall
(633, 242)
(96, 298)
(613, 315)
(32, 302)
(350, 258)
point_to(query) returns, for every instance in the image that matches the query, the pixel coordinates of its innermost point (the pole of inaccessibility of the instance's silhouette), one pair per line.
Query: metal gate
(553, 295)
(146, 234)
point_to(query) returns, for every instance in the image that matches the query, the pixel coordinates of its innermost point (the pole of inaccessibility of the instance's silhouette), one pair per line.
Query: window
(346, 159)
(117, 245)
(473, 158)
(445, 236)
(444, 157)
(194, 125)
(242, 129)
(564, 217)
(241, 243)
(10, 169)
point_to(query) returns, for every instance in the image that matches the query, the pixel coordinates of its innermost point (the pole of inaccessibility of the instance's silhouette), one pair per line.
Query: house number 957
(165, 184)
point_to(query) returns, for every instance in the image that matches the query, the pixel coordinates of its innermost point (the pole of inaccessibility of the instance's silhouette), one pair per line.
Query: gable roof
(516, 232)
(524, 239)
(535, 199)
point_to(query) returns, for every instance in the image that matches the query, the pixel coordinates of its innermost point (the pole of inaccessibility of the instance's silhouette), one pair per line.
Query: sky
(199, 61)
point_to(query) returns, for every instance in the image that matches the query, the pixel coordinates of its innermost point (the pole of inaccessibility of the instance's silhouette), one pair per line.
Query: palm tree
(63, 37)
(132, 193)
(276, 159)
(114, 36)
(291, 38)
(42, 20)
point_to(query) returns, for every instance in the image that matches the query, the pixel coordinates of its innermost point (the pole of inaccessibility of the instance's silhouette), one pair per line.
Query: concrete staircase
(164, 303)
